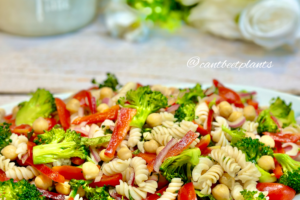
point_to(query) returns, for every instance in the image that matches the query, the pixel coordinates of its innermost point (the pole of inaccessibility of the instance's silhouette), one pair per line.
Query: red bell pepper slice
(209, 120)
(77, 161)
(277, 191)
(51, 123)
(9, 119)
(69, 172)
(278, 148)
(252, 103)
(187, 192)
(284, 137)
(155, 196)
(204, 142)
(200, 129)
(182, 145)
(278, 169)
(150, 166)
(120, 130)
(22, 129)
(63, 113)
(52, 195)
(148, 157)
(3, 176)
(53, 175)
(108, 180)
(217, 84)
(110, 113)
(82, 96)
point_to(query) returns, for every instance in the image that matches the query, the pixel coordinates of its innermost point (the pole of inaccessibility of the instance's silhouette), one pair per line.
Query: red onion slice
(163, 153)
(98, 178)
(154, 177)
(80, 112)
(209, 91)
(115, 195)
(82, 124)
(95, 154)
(106, 101)
(212, 97)
(112, 128)
(173, 108)
(237, 123)
(79, 130)
(276, 121)
(24, 158)
(248, 94)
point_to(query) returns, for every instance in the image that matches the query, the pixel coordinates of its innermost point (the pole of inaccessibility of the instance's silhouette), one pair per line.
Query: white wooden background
(68, 62)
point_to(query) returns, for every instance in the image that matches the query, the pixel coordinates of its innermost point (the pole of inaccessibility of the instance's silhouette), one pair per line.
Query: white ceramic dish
(263, 96)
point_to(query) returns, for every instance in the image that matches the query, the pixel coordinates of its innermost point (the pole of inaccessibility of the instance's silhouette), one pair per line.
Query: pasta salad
(149, 142)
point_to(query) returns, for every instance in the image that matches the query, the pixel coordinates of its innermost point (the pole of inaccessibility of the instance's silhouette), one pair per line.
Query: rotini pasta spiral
(106, 124)
(94, 130)
(5, 164)
(295, 128)
(204, 165)
(248, 173)
(20, 142)
(237, 154)
(210, 177)
(115, 166)
(141, 146)
(172, 190)
(134, 136)
(140, 169)
(124, 189)
(150, 186)
(201, 114)
(20, 173)
(127, 173)
(161, 139)
(166, 116)
(227, 162)
(218, 135)
(236, 191)
(250, 127)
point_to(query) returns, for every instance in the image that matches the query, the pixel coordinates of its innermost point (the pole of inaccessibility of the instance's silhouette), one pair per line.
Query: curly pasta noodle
(167, 117)
(218, 134)
(201, 114)
(251, 186)
(124, 189)
(150, 186)
(126, 174)
(106, 124)
(5, 164)
(20, 142)
(172, 190)
(20, 173)
(237, 154)
(115, 166)
(236, 191)
(161, 139)
(140, 169)
(210, 177)
(228, 163)
(135, 135)
(295, 128)
(204, 165)
(94, 130)
(250, 127)
(141, 146)
(248, 173)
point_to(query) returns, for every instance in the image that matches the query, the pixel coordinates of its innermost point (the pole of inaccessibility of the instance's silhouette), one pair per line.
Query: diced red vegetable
(217, 84)
(77, 161)
(278, 169)
(82, 96)
(63, 113)
(187, 192)
(148, 157)
(284, 137)
(69, 172)
(155, 196)
(110, 113)
(277, 191)
(150, 166)
(120, 131)
(201, 130)
(108, 180)
(51, 123)
(3, 176)
(22, 129)
(204, 142)
(278, 148)
(253, 103)
(9, 119)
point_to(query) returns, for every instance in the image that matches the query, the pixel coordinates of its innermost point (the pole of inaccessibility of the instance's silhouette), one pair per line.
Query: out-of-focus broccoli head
(20, 190)
(111, 82)
(265, 177)
(252, 195)
(266, 123)
(145, 101)
(282, 112)
(190, 94)
(5, 134)
(181, 166)
(236, 134)
(253, 149)
(291, 169)
(41, 104)
(97, 141)
(53, 136)
(185, 112)
(69, 146)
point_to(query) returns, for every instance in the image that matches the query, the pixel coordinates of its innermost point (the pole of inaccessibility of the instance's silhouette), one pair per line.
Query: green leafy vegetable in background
(5, 134)
(191, 94)
(186, 112)
(266, 123)
(236, 134)
(111, 82)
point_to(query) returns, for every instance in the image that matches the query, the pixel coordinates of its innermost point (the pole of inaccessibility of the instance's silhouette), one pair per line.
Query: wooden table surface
(68, 62)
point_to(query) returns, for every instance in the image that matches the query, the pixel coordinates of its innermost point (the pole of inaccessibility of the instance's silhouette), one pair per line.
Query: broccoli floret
(20, 190)
(265, 177)
(145, 102)
(204, 196)
(41, 104)
(291, 169)
(253, 149)
(5, 134)
(69, 146)
(111, 82)
(251, 195)
(98, 141)
(53, 136)
(181, 166)
(282, 112)
(186, 112)
(266, 123)
(236, 134)
(191, 94)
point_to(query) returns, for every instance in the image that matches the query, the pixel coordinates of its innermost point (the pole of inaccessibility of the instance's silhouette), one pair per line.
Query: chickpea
(234, 116)
(249, 113)
(15, 110)
(90, 170)
(10, 152)
(63, 188)
(159, 149)
(227, 180)
(251, 135)
(40, 125)
(73, 105)
(102, 107)
(124, 153)
(151, 146)
(154, 119)
(225, 109)
(106, 92)
(81, 192)
(267, 140)
(221, 192)
(43, 182)
(103, 157)
(266, 163)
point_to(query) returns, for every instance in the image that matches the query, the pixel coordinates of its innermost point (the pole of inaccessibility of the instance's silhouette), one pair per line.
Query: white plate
(263, 96)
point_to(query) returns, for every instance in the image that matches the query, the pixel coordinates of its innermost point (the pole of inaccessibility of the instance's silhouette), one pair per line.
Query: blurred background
(62, 44)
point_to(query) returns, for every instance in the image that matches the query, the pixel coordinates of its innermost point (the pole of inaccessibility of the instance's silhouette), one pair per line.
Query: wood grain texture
(68, 62)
